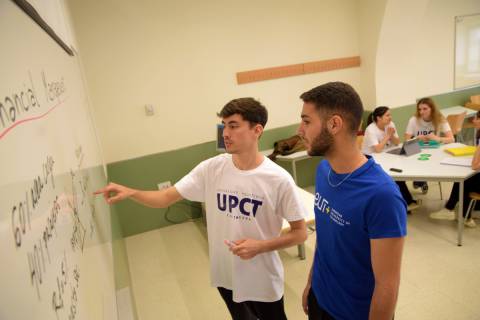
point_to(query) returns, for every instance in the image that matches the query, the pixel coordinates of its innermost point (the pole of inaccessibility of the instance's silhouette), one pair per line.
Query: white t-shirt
(417, 127)
(373, 136)
(244, 204)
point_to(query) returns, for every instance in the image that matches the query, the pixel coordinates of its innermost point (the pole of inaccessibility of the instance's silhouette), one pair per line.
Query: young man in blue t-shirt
(360, 214)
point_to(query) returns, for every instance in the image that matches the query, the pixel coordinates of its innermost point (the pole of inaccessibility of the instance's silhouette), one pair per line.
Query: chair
(474, 197)
(474, 103)
(474, 123)
(456, 124)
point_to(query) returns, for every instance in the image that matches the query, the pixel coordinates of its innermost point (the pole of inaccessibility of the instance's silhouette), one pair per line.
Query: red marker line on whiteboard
(4, 132)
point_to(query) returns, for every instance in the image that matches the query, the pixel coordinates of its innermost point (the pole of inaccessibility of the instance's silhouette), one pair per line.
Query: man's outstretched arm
(155, 199)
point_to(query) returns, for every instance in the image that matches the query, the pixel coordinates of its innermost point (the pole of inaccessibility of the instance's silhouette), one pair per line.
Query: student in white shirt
(247, 196)
(428, 124)
(380, 133)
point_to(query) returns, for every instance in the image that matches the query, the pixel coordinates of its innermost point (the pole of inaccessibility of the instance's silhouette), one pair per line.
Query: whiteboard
(55, 237)
(467, 51)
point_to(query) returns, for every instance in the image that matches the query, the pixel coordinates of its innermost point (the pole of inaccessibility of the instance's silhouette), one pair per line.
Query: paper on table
(462, 161)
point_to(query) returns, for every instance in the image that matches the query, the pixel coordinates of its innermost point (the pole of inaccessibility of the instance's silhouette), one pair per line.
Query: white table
(457, 110)
(430, 170)
(307, 200)
(292, 158)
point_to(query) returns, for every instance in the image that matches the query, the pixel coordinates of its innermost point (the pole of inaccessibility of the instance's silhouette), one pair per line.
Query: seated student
(380, 133)
(471, 185)
(428, 124)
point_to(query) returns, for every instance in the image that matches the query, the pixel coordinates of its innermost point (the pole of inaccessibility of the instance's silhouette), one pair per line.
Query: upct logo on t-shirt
(424, 132)
(322, 204)
(238, 205)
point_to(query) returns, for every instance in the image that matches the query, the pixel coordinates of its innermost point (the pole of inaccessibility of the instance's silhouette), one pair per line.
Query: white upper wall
(182, 57)
(370, 18)
(415, 55)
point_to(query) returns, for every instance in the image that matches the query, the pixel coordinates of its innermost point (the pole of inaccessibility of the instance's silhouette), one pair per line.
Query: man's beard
(322, 143)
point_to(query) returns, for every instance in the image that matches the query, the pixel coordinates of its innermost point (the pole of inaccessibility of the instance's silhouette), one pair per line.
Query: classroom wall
(415, 55)
(182, 56)
(370, 16)
(139, 52)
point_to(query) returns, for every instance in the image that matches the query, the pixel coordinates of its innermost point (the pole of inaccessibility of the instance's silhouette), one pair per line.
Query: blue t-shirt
(366, 205)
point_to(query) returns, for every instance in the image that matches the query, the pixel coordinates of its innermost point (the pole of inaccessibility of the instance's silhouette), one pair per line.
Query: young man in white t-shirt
(246, 197)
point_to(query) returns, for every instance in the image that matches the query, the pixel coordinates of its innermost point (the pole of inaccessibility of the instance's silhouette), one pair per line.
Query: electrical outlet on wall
(149, 110)
(164, 185)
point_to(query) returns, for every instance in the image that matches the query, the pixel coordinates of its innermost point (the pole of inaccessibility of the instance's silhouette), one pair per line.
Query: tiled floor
(169, 269)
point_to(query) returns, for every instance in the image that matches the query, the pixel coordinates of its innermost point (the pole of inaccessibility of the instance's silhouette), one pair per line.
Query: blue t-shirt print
(366, 205)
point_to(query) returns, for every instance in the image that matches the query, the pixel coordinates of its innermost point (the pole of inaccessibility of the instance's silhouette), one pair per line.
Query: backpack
(287, 146)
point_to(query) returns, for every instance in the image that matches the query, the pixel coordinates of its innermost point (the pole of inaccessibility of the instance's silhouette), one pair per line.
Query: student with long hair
(428, 124)
(379, 134)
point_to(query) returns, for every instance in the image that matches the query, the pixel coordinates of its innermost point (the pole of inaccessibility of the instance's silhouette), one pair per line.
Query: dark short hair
(339, 98)
(250, 109)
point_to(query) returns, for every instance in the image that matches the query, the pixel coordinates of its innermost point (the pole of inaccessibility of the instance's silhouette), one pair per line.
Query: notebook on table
(458, 161)
(462, 151)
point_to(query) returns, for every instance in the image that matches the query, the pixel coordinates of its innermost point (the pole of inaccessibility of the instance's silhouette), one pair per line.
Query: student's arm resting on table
(448, 138)
(386, 255)
(476, 159)
(249, 248)
(155, 199)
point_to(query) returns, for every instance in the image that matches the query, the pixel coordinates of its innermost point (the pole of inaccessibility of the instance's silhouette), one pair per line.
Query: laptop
(409, 147)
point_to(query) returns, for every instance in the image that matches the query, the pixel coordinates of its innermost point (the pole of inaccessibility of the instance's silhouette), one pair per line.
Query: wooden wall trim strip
(297, 69)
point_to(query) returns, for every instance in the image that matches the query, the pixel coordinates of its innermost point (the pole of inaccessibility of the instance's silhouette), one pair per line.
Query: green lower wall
(145, 172)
